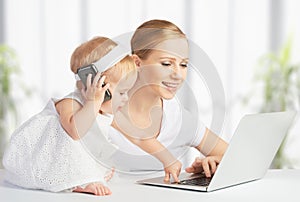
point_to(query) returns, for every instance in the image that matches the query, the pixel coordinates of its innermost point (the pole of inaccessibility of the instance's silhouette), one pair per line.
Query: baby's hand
(174, 170)
(94, 188)
(94, 91)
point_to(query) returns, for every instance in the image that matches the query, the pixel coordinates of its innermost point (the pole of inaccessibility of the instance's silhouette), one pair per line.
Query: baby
(45, 152)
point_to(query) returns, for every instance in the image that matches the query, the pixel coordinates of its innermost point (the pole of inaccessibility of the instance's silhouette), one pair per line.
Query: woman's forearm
(212, 145)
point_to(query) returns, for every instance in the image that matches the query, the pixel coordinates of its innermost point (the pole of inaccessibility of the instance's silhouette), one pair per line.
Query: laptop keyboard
(198, 181)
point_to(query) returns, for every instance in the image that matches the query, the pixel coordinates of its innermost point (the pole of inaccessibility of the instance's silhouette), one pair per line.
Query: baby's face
(119, 94)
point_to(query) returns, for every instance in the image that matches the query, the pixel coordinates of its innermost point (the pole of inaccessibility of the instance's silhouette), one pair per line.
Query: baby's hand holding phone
(90, 78)
(95, 90)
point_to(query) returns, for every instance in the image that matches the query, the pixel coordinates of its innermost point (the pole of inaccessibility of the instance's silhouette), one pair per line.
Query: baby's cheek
(116, 101)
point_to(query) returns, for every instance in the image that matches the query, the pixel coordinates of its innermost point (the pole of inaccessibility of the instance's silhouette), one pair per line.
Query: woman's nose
(177, 72)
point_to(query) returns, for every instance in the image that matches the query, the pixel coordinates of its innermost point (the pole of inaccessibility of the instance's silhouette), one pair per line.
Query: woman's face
(165, 68)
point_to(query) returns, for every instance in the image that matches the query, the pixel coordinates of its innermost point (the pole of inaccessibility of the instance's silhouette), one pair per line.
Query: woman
(153, 121)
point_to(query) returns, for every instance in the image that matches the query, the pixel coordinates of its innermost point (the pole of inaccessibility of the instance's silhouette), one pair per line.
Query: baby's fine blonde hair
(93, 50)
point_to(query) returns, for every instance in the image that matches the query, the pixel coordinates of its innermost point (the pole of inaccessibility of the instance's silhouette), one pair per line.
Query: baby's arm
(171, 165)
(152, 146)
(77, 119)
(148, 143)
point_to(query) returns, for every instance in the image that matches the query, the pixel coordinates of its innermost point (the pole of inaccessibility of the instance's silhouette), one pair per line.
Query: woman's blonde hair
(151, 33)
(93, 50)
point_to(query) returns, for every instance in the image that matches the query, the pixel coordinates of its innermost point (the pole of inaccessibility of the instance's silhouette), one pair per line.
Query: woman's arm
(211, 144)
(213, 147)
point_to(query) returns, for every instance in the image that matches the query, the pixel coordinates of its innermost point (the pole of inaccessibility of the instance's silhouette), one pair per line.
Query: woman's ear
(137, 60)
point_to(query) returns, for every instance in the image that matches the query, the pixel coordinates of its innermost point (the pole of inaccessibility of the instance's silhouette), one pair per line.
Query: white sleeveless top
(180, 130)
(41, 155)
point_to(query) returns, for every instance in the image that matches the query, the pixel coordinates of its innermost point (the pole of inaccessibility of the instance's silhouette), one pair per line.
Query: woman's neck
(142, 98)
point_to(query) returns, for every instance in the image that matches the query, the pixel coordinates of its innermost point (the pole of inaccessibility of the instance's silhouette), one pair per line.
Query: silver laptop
(248, 157)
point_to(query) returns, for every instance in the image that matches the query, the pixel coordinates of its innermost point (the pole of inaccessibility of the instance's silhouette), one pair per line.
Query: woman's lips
(171, 86)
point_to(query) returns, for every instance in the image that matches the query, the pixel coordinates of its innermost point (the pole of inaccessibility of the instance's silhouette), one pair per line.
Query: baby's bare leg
(109, 174)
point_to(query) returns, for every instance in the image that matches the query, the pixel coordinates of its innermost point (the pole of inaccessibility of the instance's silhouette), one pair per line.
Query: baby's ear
(136, 60)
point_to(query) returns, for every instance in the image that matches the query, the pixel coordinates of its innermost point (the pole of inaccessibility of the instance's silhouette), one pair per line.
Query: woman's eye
(184, 65)
(166, 64)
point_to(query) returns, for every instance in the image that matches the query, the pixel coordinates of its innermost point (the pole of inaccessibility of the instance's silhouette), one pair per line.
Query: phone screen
(83, 73)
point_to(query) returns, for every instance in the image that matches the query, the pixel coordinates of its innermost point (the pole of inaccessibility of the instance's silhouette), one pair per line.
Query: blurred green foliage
(280, 82)
(8, 67)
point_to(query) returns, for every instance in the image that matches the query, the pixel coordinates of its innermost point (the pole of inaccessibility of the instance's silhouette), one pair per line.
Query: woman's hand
(173, 170)
(208, 165)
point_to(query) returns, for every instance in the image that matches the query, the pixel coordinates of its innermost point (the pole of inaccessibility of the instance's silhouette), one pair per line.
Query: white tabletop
(277, 185)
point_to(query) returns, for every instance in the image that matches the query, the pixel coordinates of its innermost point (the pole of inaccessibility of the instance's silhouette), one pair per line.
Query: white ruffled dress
(41, 155)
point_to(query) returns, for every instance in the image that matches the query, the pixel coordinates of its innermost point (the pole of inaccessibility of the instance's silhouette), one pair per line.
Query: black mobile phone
(83, 73)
